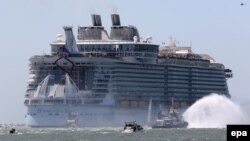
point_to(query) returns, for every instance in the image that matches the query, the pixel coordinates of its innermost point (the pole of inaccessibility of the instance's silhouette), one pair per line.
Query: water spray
(214, 111)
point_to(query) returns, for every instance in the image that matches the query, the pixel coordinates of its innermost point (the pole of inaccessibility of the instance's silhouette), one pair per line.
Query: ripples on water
(111, 134)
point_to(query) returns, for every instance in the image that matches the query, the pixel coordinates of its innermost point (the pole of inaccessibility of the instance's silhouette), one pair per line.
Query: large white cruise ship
(104, 79)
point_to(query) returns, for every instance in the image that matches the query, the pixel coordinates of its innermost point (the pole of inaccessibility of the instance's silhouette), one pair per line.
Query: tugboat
(131, 127)
(170, 120)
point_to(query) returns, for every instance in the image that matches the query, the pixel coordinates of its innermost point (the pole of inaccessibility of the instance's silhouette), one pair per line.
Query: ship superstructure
(104, 79)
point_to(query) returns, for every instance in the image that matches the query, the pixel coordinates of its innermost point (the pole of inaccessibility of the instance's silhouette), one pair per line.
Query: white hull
(86, 115)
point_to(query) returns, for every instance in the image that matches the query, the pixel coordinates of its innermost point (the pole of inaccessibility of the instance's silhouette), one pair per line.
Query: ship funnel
(70, 40)
(115, 20)
(96, 20)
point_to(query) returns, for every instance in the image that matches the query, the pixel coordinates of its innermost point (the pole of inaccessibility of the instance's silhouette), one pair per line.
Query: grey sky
(219, 28)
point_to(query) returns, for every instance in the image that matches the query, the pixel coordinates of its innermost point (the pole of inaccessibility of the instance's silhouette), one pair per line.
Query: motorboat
(131, 127)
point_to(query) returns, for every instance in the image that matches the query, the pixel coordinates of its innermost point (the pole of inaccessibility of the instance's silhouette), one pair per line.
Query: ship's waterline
(104, 79)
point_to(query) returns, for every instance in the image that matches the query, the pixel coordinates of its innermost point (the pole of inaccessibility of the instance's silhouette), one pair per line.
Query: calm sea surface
(111, 134)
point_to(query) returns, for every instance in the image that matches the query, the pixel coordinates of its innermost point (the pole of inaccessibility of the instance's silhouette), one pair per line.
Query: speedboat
(13, 131)
(131, 127)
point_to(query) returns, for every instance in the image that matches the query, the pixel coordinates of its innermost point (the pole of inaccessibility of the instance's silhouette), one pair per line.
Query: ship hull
(86, 116)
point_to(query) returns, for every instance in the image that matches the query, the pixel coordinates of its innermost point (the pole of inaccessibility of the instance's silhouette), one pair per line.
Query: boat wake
(214, 111)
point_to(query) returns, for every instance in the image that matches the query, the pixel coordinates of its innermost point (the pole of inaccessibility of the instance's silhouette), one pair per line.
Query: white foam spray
(214, 111)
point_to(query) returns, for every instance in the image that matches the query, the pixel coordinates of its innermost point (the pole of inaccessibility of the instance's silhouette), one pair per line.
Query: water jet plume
(214, 111)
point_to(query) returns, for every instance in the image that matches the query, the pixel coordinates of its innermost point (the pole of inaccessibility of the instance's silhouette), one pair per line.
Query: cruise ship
(101, 79)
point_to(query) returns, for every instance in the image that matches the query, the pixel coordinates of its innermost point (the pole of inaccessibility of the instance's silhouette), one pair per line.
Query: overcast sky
(219, 28)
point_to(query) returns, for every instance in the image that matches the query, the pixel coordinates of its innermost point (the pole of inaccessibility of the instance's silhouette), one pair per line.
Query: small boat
(12, 131)
(170, 120)
(131, 127)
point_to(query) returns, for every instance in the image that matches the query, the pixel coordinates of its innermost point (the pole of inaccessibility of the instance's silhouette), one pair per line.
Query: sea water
(111, 134)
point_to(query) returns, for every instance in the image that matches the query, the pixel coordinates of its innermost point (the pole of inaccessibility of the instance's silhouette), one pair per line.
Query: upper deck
(123, 41)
